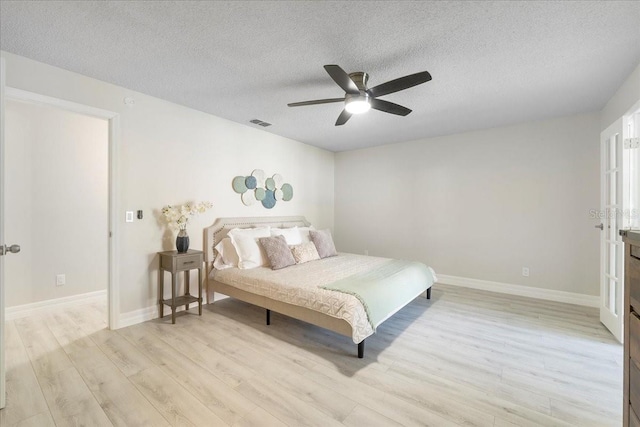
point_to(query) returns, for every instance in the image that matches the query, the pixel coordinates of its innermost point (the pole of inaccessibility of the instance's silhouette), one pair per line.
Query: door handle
(600, 226)
(13, 249)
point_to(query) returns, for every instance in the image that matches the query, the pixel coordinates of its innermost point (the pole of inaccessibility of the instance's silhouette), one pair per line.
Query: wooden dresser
(631, 402)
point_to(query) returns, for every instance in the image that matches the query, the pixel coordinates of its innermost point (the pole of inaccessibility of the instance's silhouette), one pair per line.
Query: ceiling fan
(359, 98)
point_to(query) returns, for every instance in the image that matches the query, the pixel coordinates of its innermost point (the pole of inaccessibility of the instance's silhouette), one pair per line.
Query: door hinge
(630, 143)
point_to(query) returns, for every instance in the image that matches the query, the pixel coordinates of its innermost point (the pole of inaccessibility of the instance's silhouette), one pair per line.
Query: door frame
(113, 289)
(3, 392)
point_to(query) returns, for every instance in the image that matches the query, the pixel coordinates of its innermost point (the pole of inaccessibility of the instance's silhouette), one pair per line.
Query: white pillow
(291, 235)
(250, 253)
(304, 233)
(227, 256)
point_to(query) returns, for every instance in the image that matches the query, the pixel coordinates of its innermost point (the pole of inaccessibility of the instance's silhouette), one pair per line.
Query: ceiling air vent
(260, 123)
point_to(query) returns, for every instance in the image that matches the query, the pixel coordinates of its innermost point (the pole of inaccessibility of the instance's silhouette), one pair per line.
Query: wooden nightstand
(174, 262)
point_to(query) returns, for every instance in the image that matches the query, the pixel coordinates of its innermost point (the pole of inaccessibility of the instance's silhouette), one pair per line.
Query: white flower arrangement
(178, 216)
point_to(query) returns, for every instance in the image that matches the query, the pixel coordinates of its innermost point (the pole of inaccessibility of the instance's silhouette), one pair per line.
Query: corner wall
(625, 97)
(481, 205)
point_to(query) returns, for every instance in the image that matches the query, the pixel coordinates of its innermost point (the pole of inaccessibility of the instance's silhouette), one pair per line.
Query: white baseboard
(520, 290)
(218, 296)
(149, 313)
(19, 311)
(137, 316)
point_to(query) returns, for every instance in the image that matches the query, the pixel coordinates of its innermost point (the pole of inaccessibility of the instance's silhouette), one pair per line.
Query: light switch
(129, 216)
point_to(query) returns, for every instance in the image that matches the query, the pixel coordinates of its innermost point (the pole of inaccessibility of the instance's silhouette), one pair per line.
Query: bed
(314, 292)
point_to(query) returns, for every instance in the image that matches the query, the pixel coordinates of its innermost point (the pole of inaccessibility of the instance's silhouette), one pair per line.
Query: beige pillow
(277, 251)
(305, 252)
(324, 243)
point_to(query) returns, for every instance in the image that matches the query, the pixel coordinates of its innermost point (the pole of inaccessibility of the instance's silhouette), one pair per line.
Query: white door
(3, 399)
(611, 246)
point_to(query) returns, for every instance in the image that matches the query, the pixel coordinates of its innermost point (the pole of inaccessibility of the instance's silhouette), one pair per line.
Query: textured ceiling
(493, 63)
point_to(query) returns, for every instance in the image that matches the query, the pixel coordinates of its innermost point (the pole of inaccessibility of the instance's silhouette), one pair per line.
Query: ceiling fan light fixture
(358, 98)
(357, 104)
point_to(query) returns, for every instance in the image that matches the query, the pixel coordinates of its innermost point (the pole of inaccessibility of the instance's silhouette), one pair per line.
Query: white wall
(172, 154)
(625, 97)
(482, 204)
(56, 197)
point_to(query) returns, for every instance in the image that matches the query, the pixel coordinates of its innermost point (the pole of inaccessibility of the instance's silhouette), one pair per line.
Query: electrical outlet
(525, 271)
(366, 251)
(61, 279)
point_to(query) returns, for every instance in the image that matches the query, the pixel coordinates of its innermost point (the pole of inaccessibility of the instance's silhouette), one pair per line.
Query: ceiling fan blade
(342, 79)
(343, 118)
(315, 102)
(389, 107)
(400, 84)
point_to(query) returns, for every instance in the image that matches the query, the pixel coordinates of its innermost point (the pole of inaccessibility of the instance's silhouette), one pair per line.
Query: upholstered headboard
(220, 228)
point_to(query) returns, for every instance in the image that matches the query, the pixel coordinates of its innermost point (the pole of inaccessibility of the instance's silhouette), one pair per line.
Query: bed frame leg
(268, 317)
(361, 349)
(429, 293)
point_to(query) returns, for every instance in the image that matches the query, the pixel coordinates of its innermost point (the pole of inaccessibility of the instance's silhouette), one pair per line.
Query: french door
(612, 214)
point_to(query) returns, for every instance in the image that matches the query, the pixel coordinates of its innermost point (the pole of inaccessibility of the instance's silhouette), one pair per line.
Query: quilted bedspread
(386, 289)
(301, 285)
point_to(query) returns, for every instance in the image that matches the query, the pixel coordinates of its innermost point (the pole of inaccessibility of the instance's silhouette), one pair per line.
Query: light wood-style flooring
(465, 357)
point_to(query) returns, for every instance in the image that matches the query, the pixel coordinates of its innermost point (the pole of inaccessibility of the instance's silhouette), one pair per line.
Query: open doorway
(56, 207)
(620, 210)
(631, 188)
(113, 123)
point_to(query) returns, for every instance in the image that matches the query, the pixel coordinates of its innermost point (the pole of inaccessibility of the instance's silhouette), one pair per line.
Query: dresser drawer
(189, 262)
(634, 337)
(633, 276)
(634, 385)
(633, 418)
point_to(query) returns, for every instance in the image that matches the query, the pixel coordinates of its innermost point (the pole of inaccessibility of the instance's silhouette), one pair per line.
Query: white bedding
(299, 284)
